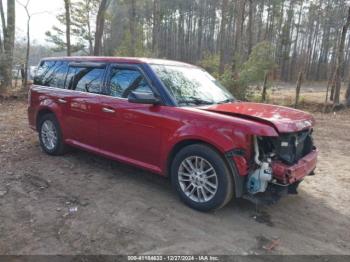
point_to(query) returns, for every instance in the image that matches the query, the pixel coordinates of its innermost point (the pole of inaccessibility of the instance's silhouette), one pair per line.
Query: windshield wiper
(228, 100)
(196, 101)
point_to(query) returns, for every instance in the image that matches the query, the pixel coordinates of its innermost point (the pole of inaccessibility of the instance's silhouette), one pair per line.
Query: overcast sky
(40, 23)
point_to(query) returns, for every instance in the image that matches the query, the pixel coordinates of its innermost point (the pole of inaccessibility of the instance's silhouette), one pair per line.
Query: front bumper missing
(286, 174)
(287, 179)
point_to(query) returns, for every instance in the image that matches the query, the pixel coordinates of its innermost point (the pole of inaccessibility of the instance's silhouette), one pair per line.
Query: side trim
(238, 180)
(112, 156)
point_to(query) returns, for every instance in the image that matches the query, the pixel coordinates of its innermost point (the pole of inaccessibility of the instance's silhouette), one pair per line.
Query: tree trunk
(249, 30)
(286, 43)
(91, 48)
(347, 94)
(340, 61)
(333, 80)
(260, 21)
(156, 26)
(222, 35)
(266, 37)
(237, 52)
(329, 84)
(25, 82)
(2, 16)
(100, 21)
(297, 90)
(313, 40)
(67, 15)
(212, 23)
(3, 23)
(347, 59)
(294, 56)
(263, 95)
(132, 25)
(181, 32)
(17, 76)
(200, 30)
(6, 58)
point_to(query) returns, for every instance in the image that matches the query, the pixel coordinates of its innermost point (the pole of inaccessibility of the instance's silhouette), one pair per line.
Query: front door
(130, 132)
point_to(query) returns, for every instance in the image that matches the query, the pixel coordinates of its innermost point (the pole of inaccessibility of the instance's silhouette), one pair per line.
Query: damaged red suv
(176, 120)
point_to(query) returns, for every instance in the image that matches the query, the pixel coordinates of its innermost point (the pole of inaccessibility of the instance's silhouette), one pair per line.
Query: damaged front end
(280, 164)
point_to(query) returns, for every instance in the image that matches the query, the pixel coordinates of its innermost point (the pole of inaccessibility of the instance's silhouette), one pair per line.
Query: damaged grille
(288, 148)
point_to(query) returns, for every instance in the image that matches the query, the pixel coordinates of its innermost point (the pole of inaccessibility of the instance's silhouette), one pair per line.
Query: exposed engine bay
(287, 149)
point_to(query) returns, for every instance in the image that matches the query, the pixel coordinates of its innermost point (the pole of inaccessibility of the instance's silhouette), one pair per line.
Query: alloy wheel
(198, 179)
(49, 134)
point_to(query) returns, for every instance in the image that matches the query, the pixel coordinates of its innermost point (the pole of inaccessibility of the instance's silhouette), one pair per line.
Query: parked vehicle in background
(173, 119)
(32, 71)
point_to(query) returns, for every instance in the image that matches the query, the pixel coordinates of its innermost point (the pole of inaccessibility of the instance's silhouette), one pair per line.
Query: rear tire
(201, 178)
(50, 135)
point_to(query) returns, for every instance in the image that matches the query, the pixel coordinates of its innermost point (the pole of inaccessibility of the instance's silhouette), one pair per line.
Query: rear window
(51, 73)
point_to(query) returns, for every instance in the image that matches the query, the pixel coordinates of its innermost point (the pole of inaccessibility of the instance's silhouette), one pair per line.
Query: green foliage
(260, 61)
(82, 14)
(252, 71)
(123, 49)
(236, 86)
(211, 63)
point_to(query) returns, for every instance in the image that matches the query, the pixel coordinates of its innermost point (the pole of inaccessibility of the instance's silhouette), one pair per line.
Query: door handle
(108, 110)
(62, 101)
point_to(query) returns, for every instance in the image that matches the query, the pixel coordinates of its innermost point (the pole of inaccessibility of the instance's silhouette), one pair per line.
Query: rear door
(84, 80)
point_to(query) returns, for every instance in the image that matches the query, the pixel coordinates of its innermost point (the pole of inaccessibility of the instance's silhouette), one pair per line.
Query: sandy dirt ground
(83, 204)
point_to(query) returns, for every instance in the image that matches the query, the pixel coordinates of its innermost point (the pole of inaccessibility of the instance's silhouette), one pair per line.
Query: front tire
(50, 135)
(201, 178)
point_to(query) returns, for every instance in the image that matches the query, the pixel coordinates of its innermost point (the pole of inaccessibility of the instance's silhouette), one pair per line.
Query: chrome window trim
(74, 91)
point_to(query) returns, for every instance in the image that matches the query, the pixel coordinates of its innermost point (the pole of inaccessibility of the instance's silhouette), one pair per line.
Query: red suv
(173, 119)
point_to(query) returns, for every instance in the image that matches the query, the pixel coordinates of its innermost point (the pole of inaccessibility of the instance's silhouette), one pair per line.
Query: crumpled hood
(284, 119)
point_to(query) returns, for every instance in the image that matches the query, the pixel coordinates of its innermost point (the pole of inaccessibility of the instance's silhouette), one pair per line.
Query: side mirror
(143, 98)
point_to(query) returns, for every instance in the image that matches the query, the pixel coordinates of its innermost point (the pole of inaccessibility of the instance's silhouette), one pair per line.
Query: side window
(83, 79)
(124, 81)
(70, 77)
(58, 75)
(51, 73)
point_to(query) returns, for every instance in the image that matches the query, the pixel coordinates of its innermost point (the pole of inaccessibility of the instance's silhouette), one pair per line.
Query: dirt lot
(81, 203)
(312, 94)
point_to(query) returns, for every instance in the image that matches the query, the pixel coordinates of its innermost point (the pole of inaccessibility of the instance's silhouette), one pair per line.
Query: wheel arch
(230, 163)
(41, 112)
(180, 145)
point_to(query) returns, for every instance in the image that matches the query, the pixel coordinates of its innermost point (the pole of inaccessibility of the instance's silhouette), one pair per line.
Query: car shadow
(304, 215)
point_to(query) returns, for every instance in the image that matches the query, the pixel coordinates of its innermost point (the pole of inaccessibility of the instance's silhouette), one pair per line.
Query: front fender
(220, 138)
(223, 132)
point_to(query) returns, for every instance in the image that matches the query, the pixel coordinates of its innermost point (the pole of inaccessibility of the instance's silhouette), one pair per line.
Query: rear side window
(51, 73)
(85, 79)
(123, 81)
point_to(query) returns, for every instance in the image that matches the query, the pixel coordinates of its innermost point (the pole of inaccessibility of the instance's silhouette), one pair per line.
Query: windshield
(191, 85)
